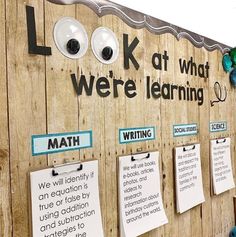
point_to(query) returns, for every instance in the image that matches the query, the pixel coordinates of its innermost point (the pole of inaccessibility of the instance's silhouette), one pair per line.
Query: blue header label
(128, 135)
(218, 126)
(52, 143)
(185, 130)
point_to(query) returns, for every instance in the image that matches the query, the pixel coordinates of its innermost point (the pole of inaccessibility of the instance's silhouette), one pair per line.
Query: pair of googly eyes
(72, 41)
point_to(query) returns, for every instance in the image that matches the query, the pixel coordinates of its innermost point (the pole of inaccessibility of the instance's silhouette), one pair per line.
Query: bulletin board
(161, 92)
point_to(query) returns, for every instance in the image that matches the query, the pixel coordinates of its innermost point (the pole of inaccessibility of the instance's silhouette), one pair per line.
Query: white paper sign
(65, 201)
(141, 207)
(189, 189)
(221, 168)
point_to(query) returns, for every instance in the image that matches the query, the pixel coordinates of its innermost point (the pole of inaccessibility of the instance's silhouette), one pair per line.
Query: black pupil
(107, 53)
(73, 46)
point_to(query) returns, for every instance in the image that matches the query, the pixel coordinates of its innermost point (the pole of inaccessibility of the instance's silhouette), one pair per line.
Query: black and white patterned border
(139, 20)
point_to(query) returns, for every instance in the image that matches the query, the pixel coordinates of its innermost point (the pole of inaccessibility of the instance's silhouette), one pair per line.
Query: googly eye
(70, 37)
(105, 45)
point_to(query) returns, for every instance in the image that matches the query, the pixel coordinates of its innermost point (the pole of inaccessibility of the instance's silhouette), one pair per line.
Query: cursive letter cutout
(219, 94)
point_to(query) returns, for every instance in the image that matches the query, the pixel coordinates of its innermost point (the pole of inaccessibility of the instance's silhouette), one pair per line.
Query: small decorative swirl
(102, 7)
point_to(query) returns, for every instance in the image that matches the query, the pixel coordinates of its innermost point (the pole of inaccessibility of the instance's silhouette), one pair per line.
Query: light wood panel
(5, 187)
(62, 104)
(27, 104)
(38, 95)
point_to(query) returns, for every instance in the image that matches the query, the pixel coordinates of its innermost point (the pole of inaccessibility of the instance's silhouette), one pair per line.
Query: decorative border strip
(139, 20)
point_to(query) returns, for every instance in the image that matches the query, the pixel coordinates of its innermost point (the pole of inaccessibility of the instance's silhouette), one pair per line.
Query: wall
(37, 97)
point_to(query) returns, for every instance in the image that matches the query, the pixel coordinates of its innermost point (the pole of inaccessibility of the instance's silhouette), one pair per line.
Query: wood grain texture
(62, 104)
(38, 93)
(5, 195)
(27, 106)
(204, 117)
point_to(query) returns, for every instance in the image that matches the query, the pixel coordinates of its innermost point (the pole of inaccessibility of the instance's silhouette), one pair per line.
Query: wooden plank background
(5, 187)
(37, 97)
